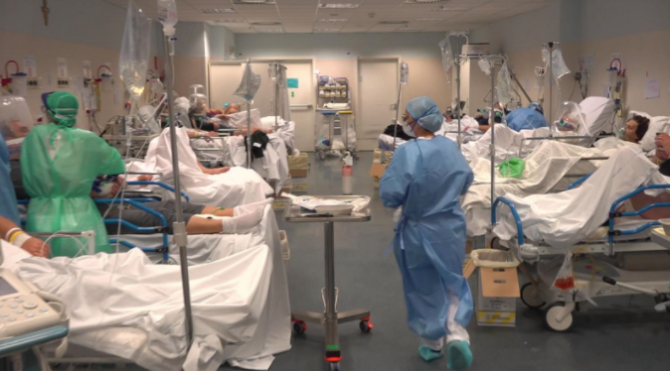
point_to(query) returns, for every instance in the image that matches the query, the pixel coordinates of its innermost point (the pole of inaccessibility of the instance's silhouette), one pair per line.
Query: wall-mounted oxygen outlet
(62, 83)
(33, 82)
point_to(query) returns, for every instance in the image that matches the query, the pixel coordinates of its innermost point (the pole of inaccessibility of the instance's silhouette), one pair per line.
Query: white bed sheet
(546, 168)
(225, 256)
(563, 219)
(238, 186)
(273, 166)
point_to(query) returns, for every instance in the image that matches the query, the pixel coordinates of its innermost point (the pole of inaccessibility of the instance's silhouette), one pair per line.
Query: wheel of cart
(531, 296)
(558, 317)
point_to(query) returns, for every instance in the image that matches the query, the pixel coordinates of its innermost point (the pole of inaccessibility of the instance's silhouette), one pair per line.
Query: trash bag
(512, 168)
(249, 85)
(565, 279)
(504, 87)
(134, 58)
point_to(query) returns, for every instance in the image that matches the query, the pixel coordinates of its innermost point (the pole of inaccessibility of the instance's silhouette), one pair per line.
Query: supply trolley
(336, 134)
(330, 318)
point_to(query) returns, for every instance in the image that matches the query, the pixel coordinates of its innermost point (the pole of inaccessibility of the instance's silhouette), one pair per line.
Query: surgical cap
(426, 113)
(62, 107)
(536, 106)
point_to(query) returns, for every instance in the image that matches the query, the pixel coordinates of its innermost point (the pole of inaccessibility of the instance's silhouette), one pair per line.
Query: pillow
(656, 125)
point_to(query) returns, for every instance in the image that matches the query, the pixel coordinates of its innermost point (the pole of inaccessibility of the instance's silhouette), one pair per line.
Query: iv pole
(249, 124)
(403, 68)
(179, 226)
(457, 61)
(492, 148)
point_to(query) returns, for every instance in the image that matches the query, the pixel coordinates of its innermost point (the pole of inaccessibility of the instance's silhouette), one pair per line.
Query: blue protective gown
(8, 206)
(526, 119)
(427, 178)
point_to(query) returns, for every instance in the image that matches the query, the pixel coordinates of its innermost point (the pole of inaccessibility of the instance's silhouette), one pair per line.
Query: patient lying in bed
(641, 200)
(199, 219)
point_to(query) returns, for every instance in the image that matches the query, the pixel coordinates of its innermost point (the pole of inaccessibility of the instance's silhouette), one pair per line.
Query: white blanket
(273, 166)
(509, 143)
(545, 169)
(236, 187)
(565, 218)
(104, 327)
(385, 142)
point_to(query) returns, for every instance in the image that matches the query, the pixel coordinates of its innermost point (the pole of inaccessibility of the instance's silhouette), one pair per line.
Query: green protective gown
(59, 165)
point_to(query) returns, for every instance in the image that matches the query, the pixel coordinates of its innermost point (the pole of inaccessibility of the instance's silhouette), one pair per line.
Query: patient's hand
(663, 139)
(36, 247)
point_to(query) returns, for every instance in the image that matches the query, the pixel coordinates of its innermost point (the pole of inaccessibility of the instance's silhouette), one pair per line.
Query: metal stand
(330, 318)
(179, 226)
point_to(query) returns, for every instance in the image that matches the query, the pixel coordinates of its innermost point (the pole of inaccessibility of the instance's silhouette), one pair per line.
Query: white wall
(339, 46)
(638, 30)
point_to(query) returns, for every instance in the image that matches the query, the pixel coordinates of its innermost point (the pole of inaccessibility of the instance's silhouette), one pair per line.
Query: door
(378, 93)
(224, 78)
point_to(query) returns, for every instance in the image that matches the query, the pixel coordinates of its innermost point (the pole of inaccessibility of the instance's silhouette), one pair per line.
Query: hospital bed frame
(558, 315)
(138, 203)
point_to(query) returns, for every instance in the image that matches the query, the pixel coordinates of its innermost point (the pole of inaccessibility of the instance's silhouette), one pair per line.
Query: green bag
(512, 168)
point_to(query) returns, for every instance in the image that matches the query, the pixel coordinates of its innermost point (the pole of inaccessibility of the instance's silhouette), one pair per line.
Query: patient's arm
(641, 200)
(34, 246)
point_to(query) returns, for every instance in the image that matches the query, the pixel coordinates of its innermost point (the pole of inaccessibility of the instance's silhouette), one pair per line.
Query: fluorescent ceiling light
(424, 1)
(254, 2)
(338, 6)
(326, 30)
(445, 8)
(266, 23)
(270, 30)
(230, 21)
(333, 20)
(394, 22)
(430, 20)
(218, 10)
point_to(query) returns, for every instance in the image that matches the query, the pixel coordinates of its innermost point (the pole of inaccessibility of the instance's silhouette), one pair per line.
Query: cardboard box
(377, 169)
(378, 155)
(298, 165)
(497, 291)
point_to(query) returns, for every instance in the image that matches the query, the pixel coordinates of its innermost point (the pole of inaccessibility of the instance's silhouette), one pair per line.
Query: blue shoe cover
(460, 355)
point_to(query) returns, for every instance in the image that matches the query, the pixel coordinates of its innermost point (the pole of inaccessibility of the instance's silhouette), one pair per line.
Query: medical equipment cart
(330, 318)
(333, 124)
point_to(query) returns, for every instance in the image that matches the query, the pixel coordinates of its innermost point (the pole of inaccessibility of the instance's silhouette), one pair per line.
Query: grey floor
(622, 334)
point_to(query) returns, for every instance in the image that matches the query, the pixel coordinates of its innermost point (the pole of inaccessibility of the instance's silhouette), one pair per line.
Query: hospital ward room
(336, 185)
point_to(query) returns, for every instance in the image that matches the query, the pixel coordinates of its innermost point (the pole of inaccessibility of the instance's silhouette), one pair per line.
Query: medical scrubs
(427, 177)
(8, 206)
(58, 166)
(526, 119)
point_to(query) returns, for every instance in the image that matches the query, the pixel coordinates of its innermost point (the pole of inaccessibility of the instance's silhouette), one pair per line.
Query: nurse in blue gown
(426, 178)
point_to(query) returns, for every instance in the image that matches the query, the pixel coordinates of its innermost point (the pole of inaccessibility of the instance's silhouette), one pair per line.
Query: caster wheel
(531, 297)
(365, 326)
(334, 367)
(299, 327)
(555, 312)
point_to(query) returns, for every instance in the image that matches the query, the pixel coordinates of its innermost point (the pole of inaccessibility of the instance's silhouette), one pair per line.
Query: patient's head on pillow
(635, 129)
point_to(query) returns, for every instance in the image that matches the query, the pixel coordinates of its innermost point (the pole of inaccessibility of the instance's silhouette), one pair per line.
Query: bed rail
(517, 219)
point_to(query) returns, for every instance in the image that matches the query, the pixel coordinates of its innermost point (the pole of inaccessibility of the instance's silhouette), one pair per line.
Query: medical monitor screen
(6, 288)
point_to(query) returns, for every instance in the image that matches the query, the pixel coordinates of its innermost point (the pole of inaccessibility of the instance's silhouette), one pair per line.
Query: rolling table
(330, 318)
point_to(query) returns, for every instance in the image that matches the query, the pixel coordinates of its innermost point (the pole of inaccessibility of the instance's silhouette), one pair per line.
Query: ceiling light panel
(218, 10)
(339, 6)
(334, 20)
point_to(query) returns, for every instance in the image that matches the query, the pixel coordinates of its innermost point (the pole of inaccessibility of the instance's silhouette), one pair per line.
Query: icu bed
(242, 321)
(238, 186)
(559, 225)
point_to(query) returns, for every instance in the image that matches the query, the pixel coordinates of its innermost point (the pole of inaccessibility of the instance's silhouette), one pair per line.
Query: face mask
(408, 130)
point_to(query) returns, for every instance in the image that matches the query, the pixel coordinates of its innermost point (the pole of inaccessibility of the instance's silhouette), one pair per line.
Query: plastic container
(167, 15)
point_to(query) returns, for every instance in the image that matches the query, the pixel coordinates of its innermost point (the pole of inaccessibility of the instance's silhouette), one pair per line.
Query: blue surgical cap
(536, 106)
(426, 113)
